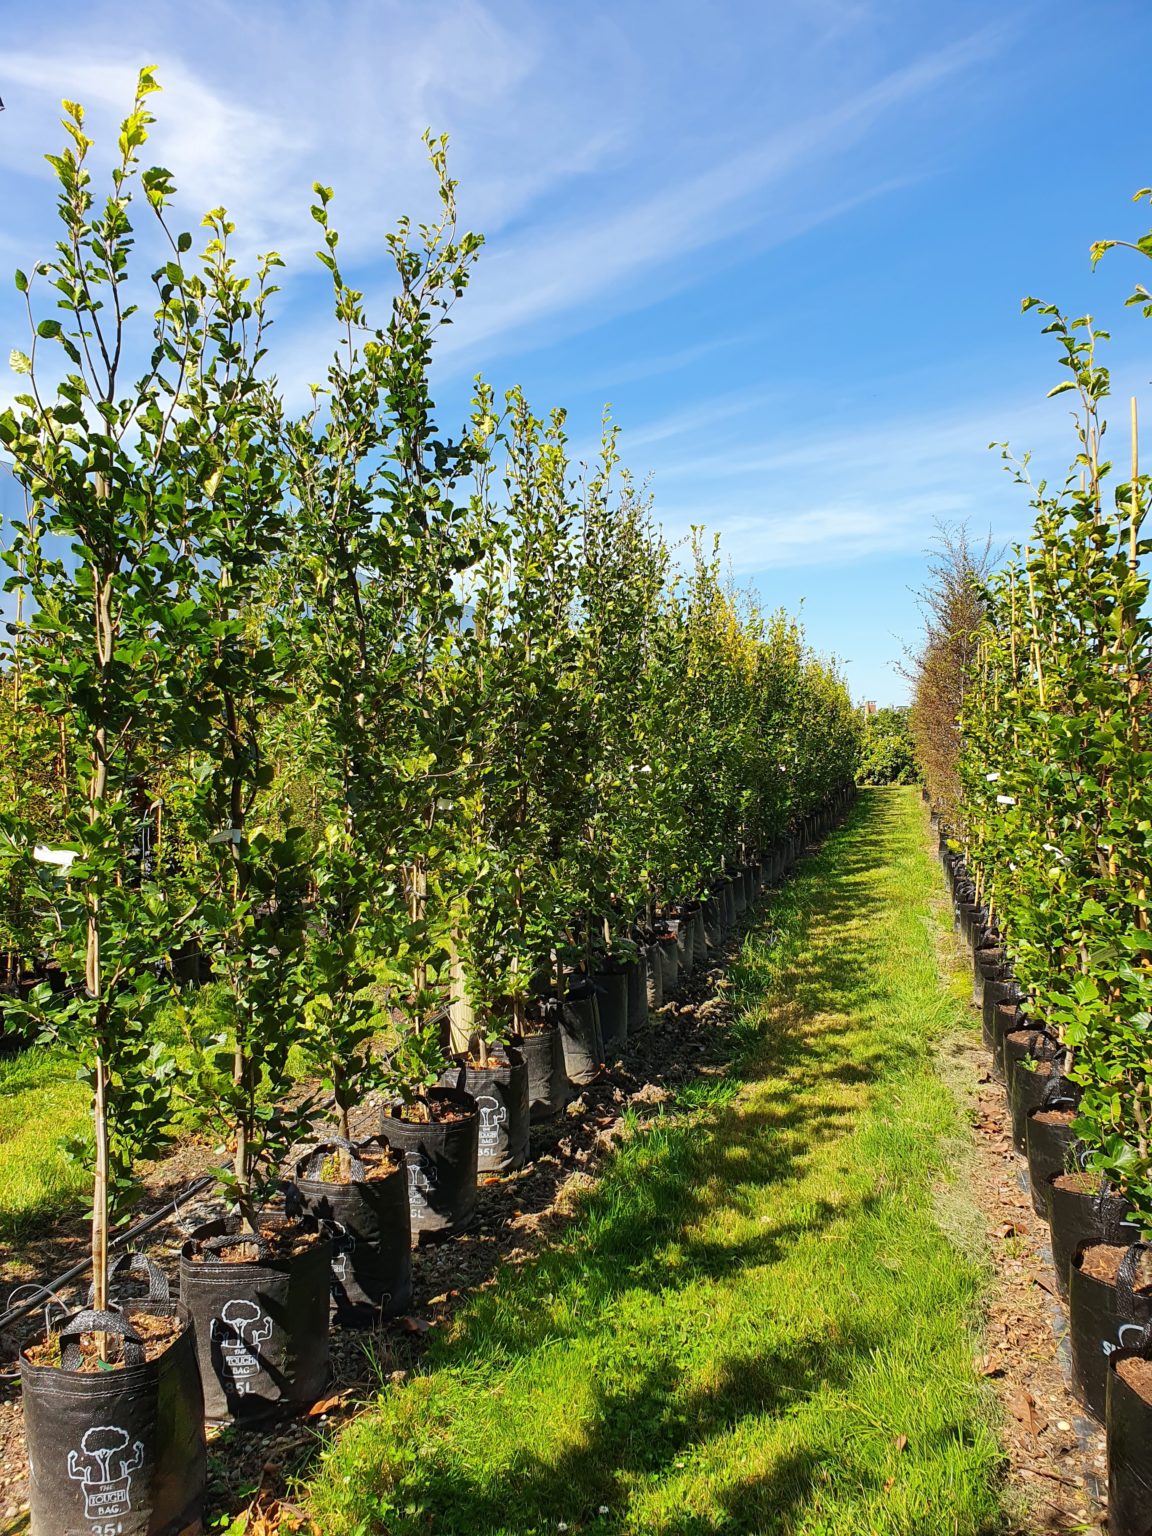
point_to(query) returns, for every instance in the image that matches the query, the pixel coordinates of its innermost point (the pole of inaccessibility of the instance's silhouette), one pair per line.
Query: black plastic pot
(1128, 1416)
(739, 891)
(440, 1157)
(1051, 1149)
(500, 1089)
(118, 1450)
(1078, 1218)
(261, 1326)
(637, 973)
(1101, 1319)
(728, 896)
(368, 1222)
(580, 1033)
(612, 996)
(548, 1086)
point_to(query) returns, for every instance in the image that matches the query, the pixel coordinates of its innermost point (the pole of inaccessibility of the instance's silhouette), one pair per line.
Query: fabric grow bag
(1101, 1319)
(371, 1231)
(261, 1326)
(548, 1086)
(440, 1159)
(699, 937)
(612, 998)
(654, 976)
(1052, 1148)
(685, 943)
(637, 974)
(712, 920)
(1077, 1218)
(668, 951)
(580, 1033)
(1128, 1416)
(500, 1090)
(119, 1450)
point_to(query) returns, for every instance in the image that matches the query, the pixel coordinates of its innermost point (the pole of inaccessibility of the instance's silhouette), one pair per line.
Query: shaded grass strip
(755, 1324)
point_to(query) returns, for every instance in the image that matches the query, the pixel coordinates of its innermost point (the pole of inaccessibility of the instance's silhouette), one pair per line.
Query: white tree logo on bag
(239, 1331)
(493, 1114)
(104, 1467)
(422, 1177)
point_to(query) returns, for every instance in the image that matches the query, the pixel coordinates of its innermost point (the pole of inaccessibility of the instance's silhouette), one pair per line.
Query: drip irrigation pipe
(22, 1309)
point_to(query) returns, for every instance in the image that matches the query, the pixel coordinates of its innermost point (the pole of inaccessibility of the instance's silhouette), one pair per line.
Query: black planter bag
(501, 1092)
(637, 974)
(728, 895)
(580, 1033)
(739, 890)
(685, 943)
(1051, 1150)
(1077, 1219)
(1026, 1088)
(548, 1086)
(120, 1450)
(1128, 1417)
(987, 967)
(371, 1232)
(1038, 1090)
(261, 1327)
(612, 998)
(713, 922)
(440, 1159)
(654, 975)
(1101, 1319)
(668, 950)
(699, 937)
(995, 993)
(1007, 1017)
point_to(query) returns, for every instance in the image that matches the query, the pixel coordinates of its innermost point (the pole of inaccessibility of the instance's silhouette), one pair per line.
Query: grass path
(756, 1324)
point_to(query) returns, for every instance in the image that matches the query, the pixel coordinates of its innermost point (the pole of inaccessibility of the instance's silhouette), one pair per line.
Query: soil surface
(1057, 1472)
(1053, 1116)
(1103, 1260)
(156, 1334)
(1138, 1374)
(517, 1214)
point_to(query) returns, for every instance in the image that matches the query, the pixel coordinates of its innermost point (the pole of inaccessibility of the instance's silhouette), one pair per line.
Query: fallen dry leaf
(900, 1442)
(415, 1324)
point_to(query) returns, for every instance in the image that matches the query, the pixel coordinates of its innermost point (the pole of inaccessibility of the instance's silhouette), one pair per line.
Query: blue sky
(787, 240)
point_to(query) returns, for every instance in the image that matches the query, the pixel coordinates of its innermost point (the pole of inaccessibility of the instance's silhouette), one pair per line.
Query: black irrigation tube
(22, 1309)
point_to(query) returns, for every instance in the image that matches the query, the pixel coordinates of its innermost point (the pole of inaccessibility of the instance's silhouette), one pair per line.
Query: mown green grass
(42, 1108)
(756, 1325)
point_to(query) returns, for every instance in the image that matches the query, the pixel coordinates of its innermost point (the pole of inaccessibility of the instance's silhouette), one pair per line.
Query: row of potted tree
(1051, 865)
(424, 749)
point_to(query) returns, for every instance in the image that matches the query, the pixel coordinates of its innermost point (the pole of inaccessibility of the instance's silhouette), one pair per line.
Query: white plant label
(239, 1331)
(341, 1248)
(103, 1466)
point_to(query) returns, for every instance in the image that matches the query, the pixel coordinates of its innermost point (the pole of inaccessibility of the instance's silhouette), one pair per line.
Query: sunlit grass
(756, 1325)
(42, 1107)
